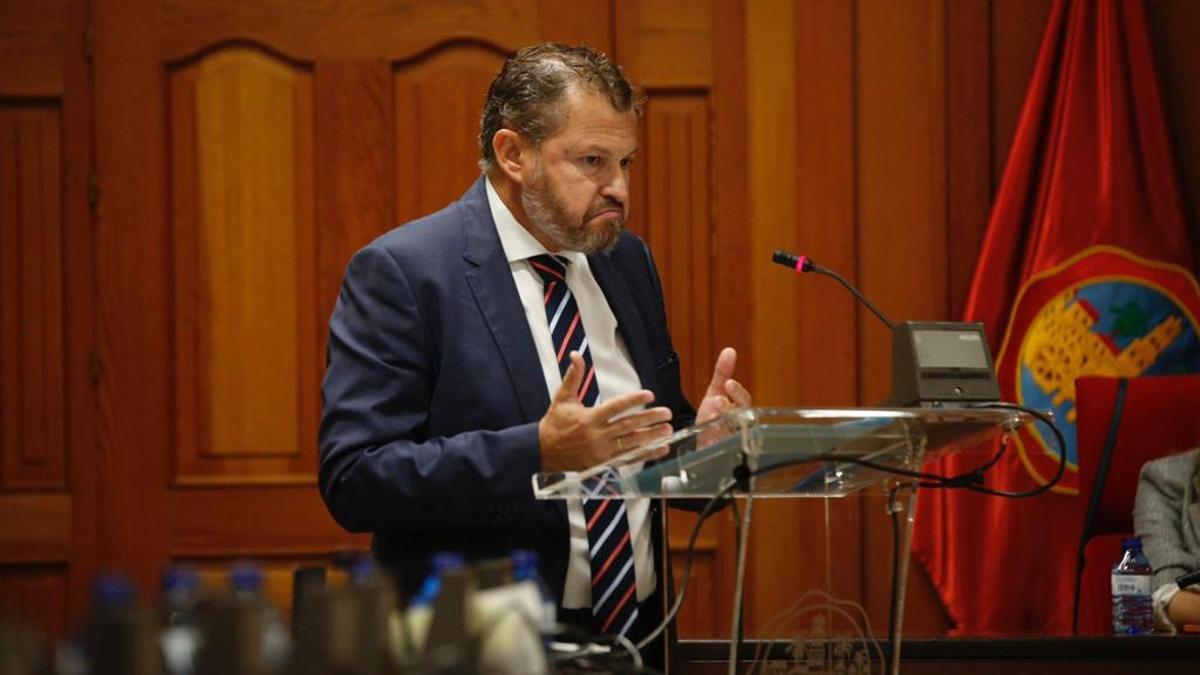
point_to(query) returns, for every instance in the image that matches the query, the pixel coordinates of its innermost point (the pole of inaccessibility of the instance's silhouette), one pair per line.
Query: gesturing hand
(573, 436)
(723, 391)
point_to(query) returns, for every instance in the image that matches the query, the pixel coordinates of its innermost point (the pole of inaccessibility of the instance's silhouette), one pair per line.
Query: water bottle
(120, 636)
(246, 583)
(439, 564)
(414, 627)
(180, 637)
(1132, 608)
(525, 568)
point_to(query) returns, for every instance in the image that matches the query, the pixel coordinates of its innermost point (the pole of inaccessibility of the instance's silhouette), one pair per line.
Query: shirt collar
(517, 242)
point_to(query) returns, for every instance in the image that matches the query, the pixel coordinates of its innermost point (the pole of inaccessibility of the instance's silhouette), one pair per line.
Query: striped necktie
(610, 550)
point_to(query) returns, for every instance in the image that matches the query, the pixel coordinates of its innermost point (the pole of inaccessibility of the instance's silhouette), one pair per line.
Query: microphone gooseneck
(803, 263)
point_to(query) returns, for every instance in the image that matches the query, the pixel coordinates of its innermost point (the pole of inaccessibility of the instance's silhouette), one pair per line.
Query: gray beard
(546, 215)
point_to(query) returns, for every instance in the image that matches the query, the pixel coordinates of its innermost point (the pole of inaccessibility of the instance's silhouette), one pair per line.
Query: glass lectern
(824, 454)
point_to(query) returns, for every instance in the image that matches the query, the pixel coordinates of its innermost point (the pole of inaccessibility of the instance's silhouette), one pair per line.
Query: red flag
(1085, 270)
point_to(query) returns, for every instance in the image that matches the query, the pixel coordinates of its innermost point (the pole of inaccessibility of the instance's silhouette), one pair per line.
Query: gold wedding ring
(621, 443)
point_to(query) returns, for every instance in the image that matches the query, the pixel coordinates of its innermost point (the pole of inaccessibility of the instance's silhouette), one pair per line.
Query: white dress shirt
(615, 375)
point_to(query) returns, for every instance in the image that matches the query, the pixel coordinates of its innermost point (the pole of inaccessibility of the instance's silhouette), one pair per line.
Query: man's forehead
(590, 120)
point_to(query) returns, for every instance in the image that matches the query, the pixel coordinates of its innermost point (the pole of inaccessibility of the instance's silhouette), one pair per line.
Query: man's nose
(617, 186)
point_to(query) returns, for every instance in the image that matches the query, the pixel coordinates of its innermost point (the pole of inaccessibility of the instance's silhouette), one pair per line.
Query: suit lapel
(629, 319)
(491, 282)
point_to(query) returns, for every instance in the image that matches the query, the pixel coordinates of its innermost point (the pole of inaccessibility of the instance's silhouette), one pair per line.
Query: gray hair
(526, 95)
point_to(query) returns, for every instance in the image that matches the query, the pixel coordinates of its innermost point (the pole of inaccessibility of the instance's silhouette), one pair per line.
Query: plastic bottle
(525, 568)
(415, 625)
(180, 637)
(120, 636)
(1132, 608)
(246, 582)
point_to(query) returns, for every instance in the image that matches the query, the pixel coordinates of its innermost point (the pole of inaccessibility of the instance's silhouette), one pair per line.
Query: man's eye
(626, 163)
(592, 160)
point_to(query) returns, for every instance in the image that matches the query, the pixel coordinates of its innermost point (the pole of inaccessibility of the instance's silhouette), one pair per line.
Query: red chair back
(1160, 416)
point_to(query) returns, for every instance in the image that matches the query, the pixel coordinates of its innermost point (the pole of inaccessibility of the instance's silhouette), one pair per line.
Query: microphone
(934, 363)
(803, 263)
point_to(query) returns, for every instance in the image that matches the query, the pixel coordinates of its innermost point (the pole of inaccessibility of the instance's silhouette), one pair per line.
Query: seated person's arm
(1157, 519)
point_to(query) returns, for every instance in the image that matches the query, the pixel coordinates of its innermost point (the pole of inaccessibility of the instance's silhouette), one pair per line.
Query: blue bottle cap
(113, 591)
(1131, 542)
(362, 569)
(180, 580)
(446, 561)
(245, 577)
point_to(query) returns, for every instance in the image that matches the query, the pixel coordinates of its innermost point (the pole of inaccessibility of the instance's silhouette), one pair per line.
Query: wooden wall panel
(36, 596)
(356, 196)
(704, 612)
(32, 257)
(823, 223)
(666, 44)
(35, 527)
(771, 112)
(133, 366)
(901, 173)
(677, 225)
(245, 272)
(356, 29)
(33, 48)
(968, 147)
(45, 312)
(437, 102)
(260, 522)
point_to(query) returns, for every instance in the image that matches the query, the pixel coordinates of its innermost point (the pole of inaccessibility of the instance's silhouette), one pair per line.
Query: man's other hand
(574, 437)
(723, 391)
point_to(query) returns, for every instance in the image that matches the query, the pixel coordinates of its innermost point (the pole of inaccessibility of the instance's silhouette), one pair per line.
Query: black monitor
(941, 363)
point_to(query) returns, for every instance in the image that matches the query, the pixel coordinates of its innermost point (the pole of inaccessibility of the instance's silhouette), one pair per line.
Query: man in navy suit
(450, 382)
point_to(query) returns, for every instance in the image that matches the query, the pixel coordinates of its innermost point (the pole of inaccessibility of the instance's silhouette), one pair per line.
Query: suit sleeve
(380, 470)
(1158, 512)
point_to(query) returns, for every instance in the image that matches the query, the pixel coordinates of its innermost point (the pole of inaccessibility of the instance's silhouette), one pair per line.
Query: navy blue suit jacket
(434, 390)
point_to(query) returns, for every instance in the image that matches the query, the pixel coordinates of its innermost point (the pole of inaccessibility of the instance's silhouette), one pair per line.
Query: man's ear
(509, 147)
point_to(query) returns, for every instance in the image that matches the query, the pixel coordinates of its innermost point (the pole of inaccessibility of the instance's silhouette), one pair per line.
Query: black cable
(1058, 437)
(705, 512)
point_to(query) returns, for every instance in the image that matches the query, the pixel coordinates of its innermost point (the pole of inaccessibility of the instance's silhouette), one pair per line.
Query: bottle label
(1130, 584)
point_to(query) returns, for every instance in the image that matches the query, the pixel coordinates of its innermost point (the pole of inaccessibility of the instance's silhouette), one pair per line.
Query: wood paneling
(133, 268)
(705, 607)
(823, 224)
(32, 48)
(666, 44)
(35, 527)
(32, 271)
(357, 29)
(900, 174)
(677, 224)
(356, 167)
(437, 102)
(262, 521)
(36, 597)
(245, 266)
(968, 147)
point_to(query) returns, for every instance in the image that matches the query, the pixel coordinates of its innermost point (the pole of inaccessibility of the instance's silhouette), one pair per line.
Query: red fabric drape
(1089, 192)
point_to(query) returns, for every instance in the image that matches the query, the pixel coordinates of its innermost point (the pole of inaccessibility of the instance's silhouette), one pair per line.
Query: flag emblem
(1103, 312)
